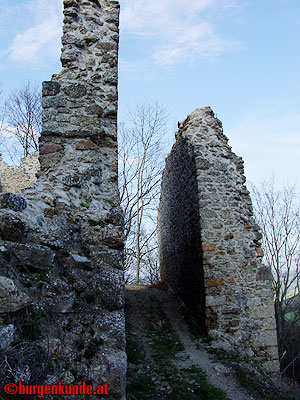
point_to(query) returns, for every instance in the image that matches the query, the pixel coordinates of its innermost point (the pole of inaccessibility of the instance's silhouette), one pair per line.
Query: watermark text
(42, 390)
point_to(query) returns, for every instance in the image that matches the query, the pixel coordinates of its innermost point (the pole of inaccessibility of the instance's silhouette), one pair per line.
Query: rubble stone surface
(61, 240)
(62, 283)
(210, 249)
(14, 178)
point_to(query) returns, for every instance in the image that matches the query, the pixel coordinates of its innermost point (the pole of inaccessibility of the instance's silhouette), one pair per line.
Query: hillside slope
(166, 361)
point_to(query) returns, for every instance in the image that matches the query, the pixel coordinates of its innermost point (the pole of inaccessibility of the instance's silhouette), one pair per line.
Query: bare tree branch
(23, 116)
(140, 168)
(278, 214)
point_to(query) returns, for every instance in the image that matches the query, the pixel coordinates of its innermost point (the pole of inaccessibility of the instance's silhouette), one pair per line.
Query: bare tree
(151, 266)
(3, 136)
(23, 116)
(2, 113)
(140, 169)
(278, 214)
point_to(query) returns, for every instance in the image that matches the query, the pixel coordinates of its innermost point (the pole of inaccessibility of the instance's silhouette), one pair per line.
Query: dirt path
(165, 361)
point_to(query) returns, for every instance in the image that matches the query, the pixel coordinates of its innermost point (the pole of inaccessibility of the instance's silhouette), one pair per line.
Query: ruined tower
(61, 242)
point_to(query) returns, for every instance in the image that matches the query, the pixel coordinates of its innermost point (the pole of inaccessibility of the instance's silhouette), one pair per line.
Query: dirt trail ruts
(143, 304)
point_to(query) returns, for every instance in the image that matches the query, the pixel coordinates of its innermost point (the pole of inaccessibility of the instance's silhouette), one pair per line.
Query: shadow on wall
(181, 254)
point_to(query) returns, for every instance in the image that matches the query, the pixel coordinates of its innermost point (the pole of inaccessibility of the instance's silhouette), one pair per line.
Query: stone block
(202, 163)
(50, 88)
(75, 90)
(32, 255)
(70, 3)
(12, 201)
(86, 145)
(230, 280)
(212, 282)
(11, 227)
(268, 339)
(259, 252)
(11, 297)
(215, 301)
(263, 312)
(79, 261)
(62, 303)
(50, 148)
(7, 334)
(112, 238)
(273, 352)
(209, 247)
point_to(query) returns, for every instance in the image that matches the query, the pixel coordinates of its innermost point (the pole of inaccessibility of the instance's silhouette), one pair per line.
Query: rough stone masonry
(61, 283)
(61, 278)
(14, 178)
(210, 250)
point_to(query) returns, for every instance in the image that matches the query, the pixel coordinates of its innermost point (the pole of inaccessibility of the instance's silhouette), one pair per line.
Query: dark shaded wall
(179, 231)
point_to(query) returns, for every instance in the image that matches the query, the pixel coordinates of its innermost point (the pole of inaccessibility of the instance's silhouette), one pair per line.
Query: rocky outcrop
(61, 284)
(210, 250)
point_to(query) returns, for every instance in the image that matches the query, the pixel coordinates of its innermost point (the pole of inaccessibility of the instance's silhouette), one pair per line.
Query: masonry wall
(182, 251)
(61, 283)
(237, 288)
(14, 178)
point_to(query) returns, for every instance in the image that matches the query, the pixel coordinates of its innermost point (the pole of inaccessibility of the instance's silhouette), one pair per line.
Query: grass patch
(99, 222)
(191, 384)
(227, 357)
(258, 387)
(161, 378)
(250, 375)
(289, 316)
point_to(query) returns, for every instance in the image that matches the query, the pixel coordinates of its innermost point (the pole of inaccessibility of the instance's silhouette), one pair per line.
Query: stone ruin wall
(61, 279)
(14, 178)
(210, 255)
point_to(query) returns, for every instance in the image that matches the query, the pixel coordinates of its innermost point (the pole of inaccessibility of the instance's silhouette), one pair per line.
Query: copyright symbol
(11, 388)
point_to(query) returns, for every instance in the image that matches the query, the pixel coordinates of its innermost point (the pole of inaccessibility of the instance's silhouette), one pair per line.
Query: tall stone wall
(61, 283)
(179, 220)
(237, 288)
(14, 178)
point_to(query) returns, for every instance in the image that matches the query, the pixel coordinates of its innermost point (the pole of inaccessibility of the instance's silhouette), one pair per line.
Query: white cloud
(6, 131)
(182, 29)
(195, 41)
(42, 39)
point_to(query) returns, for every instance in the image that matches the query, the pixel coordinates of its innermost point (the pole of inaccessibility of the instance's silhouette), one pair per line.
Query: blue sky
(240, 57)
